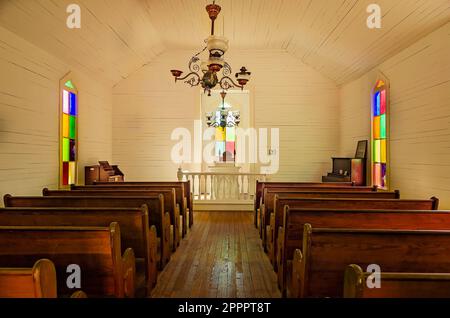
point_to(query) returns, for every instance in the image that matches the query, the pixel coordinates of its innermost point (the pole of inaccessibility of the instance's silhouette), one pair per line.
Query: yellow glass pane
(377, 150)
(220, 134)
(65, 129)
(72, 172)
(383, 151)
(376, 127)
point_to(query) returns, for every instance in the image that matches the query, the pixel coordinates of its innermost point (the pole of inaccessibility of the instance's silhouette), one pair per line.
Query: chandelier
(223, 117)
(206, 73)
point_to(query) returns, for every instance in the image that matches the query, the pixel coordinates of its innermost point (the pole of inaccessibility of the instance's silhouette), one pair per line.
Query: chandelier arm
(193, 81)
(224, 83)
(226, 70)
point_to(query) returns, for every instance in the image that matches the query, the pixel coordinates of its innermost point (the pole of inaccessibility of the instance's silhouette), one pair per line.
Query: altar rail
(217, 186)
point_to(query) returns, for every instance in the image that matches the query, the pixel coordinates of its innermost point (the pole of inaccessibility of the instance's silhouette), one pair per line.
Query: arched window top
(380, 134)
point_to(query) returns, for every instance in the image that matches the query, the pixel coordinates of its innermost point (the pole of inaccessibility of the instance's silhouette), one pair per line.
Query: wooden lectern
(104, 172)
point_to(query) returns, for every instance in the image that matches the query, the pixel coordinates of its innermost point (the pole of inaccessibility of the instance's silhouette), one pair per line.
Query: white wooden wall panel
(29, 112)
(420, 116)
(285, 94)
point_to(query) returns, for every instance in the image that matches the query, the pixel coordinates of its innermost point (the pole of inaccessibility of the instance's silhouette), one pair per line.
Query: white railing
(209, 186)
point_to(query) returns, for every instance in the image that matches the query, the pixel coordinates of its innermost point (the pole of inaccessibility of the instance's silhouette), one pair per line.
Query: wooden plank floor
(222, 257)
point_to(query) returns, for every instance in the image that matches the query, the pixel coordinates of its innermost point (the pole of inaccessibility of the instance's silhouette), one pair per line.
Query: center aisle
(222, 257)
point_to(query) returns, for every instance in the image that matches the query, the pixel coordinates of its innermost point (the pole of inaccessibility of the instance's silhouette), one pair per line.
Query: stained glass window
(380, 134)
(226, 143)
(69, 135)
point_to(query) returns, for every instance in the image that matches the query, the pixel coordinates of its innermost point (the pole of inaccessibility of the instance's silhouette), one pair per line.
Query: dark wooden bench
(170, 204)
(396, 285)
(318, 269)
(187, 192)
(261, 185)
(155, 204)
(290, 234)
(276, 218)
(105, 272)
(181, 199)
(269, 193)
(134, 229)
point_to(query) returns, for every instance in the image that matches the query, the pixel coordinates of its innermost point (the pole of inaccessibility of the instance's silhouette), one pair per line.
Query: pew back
(155, 205)
(96, 250)
(396, 285)
(291, 233)
(134, 229)
(318, 269)
(36, 282)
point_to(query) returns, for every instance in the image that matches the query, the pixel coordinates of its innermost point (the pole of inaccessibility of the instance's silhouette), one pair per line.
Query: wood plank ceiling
(119, 36)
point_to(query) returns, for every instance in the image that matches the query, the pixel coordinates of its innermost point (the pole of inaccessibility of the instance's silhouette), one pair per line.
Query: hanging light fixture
(206, 73)
(223, 117)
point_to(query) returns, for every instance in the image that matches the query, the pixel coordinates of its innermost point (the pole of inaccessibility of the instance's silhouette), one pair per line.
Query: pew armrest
(79, 294)
(153, 254)
(353, 281)
(296, 283)
(271, 239)
(177, 234)
(166, 245)
(280, 258)
(129, 272)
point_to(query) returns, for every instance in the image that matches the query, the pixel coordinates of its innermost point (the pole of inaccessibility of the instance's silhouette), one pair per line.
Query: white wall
(29, 117)
(420, 116)
(284, 94)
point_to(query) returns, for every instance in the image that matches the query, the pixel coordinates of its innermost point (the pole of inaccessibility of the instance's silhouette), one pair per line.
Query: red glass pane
(383, 103)
(65, 174)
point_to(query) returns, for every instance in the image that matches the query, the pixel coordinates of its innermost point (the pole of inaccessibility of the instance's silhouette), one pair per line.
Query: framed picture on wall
(361, 149)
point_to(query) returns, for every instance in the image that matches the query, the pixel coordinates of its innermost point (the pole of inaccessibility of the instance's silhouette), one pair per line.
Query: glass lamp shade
(215, 64)
(217, 45)
(243, 76)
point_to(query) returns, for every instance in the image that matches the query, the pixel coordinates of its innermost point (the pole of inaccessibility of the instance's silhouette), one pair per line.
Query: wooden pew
(170, 204)
(290, 235)
(179, 191)
(36, 282)
(318, 269)
(155, 204)
(276, 218)
(185, 184)
(304, 187)
(261, 185)
(134, 229)
(269, 193)
(396, 285)
(105, 272)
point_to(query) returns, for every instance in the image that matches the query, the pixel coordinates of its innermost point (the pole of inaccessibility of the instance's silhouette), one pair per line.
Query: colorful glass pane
(377, 151)
(383, 103)
(376, 104)
(220, 149)
(73, 150)
(377, 178)
(66, 102)
(230, 147)
(73, 104)
(382, 127)
(65, 173)
(380, 84)
(72, 172)
(231, 134)
(72, 127)
(376, 127)
(66, 150)
(384, 176)
(65, 127)
(69, 84)
(383, 151)
(220, 134)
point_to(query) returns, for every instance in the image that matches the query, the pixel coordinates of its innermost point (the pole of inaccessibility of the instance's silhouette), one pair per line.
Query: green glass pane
(69, 84)
(377, 151)
(383, 127)
(72, 127)
(66, 149)
(231, 134)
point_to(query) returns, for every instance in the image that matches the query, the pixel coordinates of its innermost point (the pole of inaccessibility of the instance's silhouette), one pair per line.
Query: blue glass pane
(220, 148)
(73, 104)
(377, 104)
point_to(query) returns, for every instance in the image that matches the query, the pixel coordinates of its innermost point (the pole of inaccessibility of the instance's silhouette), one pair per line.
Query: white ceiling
(119, 36)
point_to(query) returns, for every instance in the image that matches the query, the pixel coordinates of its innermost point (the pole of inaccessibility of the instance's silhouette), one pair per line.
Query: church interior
(266, 149)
